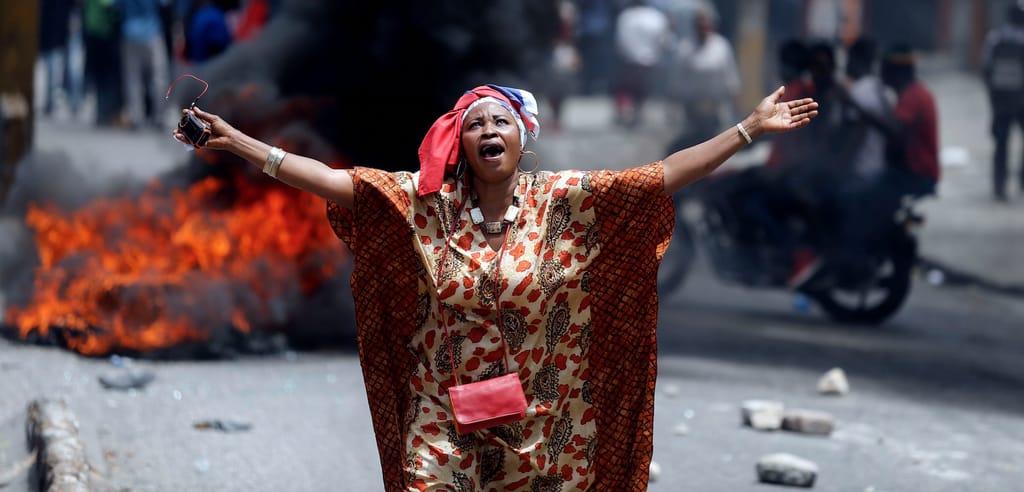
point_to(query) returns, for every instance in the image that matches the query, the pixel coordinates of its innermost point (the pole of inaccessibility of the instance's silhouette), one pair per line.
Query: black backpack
(1004, 74)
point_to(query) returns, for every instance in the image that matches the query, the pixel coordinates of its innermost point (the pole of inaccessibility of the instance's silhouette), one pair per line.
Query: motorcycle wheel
(675, 266)
(873, 305)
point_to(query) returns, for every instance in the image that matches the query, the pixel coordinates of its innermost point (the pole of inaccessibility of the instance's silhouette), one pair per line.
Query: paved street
(935, 402)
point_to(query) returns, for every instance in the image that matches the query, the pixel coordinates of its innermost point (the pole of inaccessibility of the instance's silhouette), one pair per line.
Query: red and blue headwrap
(439, 151)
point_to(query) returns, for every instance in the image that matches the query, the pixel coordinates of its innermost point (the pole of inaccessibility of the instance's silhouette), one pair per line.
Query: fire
(137, 273)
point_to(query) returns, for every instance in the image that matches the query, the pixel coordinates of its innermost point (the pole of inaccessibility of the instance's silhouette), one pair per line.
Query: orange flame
(149, 272)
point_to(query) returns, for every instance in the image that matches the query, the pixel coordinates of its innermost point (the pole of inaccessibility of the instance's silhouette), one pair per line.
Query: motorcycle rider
(798, 183)
(912, 152)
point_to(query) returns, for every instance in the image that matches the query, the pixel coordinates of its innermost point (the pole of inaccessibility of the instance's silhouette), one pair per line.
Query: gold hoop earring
(536, 159)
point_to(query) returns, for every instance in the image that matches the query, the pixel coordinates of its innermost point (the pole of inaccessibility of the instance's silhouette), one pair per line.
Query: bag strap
(497, 290)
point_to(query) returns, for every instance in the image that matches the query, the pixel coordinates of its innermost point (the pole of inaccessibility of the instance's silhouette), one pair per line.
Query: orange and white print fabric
(578, 304)
(545, 314)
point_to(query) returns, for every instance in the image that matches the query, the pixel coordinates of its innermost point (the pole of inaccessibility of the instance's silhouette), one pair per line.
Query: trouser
(103, 71)
(1002, 123)
(631, 91)
(140, 59)
(53, 65)
(867, 206)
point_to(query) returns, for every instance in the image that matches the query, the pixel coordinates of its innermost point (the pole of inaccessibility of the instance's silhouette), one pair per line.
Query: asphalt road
(935, 402)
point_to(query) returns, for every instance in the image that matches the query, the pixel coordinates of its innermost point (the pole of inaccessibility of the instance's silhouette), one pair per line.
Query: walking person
(706, 79)
(1003, 62)
(480, 267)
(595, 37)
(143, 59)
(642, 35)
(54, 34)
(102, 36)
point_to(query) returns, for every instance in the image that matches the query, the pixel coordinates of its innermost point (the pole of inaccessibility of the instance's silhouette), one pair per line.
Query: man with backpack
(1003, 62)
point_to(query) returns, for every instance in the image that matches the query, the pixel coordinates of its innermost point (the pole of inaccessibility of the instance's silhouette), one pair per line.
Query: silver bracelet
(273, 162)
(743, 132)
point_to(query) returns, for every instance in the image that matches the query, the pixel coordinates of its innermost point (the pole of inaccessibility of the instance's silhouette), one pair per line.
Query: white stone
(762, 414)
(834, 382)
(787, 469)
(655, 472)
(808, 422)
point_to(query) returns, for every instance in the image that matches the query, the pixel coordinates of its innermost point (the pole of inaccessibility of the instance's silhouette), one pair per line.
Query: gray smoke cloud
(343, 82)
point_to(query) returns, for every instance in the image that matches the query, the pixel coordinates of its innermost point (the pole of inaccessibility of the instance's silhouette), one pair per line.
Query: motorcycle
(867, 288)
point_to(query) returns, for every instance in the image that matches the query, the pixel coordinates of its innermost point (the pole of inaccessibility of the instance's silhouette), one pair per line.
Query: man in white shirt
(869, 94)
(706, 78)
(641, 36)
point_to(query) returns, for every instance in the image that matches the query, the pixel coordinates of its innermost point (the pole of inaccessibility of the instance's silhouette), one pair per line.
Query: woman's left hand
(775, 116)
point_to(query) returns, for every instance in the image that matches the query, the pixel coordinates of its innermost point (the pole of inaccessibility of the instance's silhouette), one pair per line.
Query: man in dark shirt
(1003, 62)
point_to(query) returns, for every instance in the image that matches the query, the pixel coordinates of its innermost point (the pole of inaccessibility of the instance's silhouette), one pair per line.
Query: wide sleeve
(631, 206)
(381, 205)
(635, 221)
(385, 280)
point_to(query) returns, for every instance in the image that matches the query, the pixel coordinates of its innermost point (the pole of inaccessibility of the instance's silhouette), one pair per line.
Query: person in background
(913, 169)
(144, 59)
(706, 79)
(642, 35)
(793, 61)
(565, 64)
(802, 183)
(912, 153)
(54, 32)
(207, 30)
(867, 93)
(102, 35)
(595, 34)
(1003, 64)
(254, 16)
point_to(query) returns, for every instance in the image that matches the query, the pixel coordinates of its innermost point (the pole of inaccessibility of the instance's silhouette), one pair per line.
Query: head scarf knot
(439, 151)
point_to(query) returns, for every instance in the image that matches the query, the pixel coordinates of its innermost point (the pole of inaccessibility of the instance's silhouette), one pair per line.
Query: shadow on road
(928, 353)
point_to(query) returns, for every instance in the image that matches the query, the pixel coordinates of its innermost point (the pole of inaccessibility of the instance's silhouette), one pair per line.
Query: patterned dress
(577, 297)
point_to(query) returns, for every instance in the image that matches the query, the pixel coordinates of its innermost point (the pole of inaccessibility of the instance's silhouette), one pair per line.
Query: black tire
(891, 290)
(675, 266)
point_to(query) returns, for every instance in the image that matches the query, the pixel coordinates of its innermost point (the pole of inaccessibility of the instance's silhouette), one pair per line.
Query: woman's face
(490, 142)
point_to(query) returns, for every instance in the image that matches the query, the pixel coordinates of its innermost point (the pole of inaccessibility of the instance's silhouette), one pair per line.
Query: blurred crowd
(875, 141)
(117, 56)
(634, 49)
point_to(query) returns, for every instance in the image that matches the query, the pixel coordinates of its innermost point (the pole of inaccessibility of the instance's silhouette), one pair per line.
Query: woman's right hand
(221, 133)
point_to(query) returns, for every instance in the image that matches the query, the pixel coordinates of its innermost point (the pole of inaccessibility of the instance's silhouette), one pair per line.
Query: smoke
(44, 177)
(343, 82)
(384, 71)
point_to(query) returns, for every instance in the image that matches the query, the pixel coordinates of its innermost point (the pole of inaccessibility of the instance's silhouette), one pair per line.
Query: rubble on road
(127, 379)
(681, 429)
(787, 469)
(834, 382)
(762, 414)
(655, 472)
(808, 422)
(223, 425)
(53, 432)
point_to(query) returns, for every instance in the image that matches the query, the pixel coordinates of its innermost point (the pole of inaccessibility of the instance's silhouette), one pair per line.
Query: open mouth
(492, 150)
